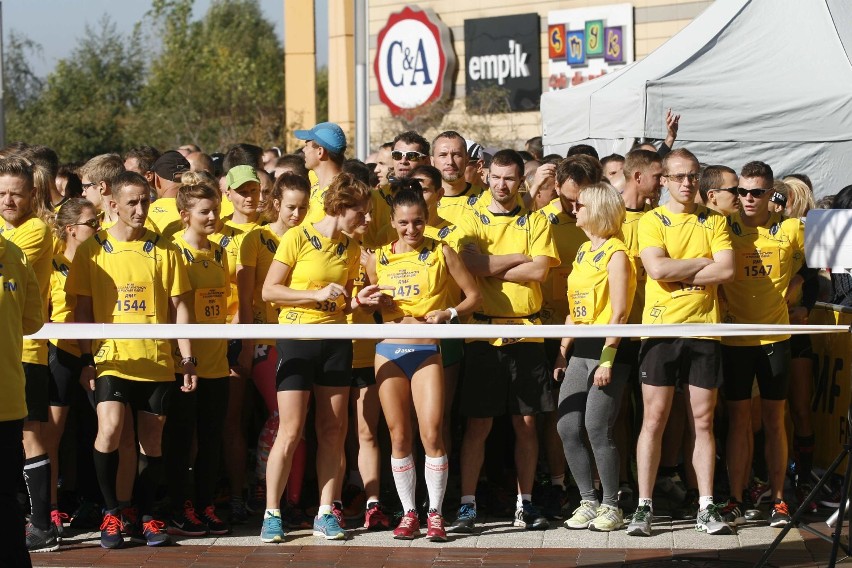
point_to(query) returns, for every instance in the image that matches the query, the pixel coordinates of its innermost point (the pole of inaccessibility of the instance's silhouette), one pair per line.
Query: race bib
(135, 299)
(686, 290)
(210, 305)
(582, 306)
(560, 283)
(328, 305)
(408, 284)
(758, 263)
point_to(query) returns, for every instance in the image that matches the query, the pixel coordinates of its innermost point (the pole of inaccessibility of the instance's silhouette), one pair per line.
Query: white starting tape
(424, 331)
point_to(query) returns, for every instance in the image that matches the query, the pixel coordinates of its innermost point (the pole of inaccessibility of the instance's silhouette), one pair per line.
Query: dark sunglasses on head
(93, 223)
(756, 193)
(411, 156)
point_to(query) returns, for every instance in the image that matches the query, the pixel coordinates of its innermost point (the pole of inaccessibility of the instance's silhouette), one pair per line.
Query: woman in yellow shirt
(311, 279)
(422, 274)
(600, 291)
(76, 221)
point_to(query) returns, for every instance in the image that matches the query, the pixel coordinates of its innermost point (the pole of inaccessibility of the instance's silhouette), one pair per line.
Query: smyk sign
(414, 61)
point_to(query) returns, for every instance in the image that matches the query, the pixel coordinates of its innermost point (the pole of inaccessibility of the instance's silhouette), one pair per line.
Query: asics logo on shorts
(401, 351)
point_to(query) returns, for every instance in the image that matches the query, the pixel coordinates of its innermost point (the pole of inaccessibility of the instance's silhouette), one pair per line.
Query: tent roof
(744, 70)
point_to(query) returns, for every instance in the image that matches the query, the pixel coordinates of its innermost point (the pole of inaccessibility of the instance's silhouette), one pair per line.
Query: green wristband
(607, 356)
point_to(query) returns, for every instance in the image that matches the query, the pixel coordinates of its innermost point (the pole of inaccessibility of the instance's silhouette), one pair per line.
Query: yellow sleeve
(798, 241)
(31, 240)
(248, 251)
(31, 311)
(289, 248)
(541, 239)
(721, 236)
(651, 234)
(175, 277)
(79, 279)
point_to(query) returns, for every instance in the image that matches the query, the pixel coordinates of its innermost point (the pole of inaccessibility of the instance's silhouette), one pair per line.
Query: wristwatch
(186, 360)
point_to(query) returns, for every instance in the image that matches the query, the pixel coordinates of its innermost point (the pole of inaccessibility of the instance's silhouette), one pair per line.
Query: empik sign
(414, 60)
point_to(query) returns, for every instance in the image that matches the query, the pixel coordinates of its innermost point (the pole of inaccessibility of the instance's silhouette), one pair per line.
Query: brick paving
(495, 545)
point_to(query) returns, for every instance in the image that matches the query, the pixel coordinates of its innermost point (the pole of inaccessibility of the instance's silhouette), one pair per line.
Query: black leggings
(14, 549)
(203, 413)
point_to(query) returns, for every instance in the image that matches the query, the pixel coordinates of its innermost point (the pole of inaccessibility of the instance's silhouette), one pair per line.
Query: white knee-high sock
(436, 480)
(405, 478)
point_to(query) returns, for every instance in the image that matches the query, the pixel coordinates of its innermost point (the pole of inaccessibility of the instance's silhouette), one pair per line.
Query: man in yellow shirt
(510, 252)
(686, 251)
(449, 155)
(21, 313)
(97, 176)
(769, 251)
(168, 170)
(130, 274)
(325, 144)
(22, 226)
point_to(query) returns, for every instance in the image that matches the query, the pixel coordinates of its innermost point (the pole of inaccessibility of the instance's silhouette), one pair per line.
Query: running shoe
(239, 511)
(732, 512)
(435, 530)
(272, 530)
(758, 491)
(528, 516)
(466, 519)
(709, 520)
(582, 516)
(111, 528)
(375, 518)
(58, 518)
(131, 526)
(41, 540)
(337, 511)
(154, 533)
(214, 524)
(802, 492)
(187, 523)
(609, 519)
(408, 528)
(328, 527)
(553, 499)
(780, 515)
(640, 523)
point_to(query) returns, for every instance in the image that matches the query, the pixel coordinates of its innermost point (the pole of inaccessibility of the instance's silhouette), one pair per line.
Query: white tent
(763, 80)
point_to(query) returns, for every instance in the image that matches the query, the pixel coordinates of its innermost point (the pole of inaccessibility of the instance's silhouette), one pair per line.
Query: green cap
(239, 175)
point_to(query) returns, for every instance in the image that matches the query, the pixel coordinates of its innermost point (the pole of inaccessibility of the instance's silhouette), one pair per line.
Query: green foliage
(214, 81)
(322, 94)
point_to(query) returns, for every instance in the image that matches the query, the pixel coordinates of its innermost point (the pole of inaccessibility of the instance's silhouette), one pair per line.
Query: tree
(215, 82)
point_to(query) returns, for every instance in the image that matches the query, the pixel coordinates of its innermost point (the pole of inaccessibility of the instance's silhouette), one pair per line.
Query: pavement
(494, 544)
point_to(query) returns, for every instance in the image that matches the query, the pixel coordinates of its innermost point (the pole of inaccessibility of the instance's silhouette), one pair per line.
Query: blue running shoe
(466, 519)
(328, 527)
(272, 530)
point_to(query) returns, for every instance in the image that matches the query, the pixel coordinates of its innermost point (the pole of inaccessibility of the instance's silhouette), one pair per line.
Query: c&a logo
(414, 59)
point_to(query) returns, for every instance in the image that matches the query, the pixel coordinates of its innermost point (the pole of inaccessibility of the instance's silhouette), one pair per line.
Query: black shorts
(667, 362)
(511, 379)
(142, 396)
(37, 391)
(65, 371)
(769, 363)
(303, 363)
(363, 377)
(800, 347)
(235, 347)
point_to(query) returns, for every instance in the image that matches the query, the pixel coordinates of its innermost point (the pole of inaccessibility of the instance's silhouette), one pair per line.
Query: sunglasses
(678, 178)
(93, 223)
(578, 205)
(411, 156)
(757, 193)
(88, 185)
(728, 189)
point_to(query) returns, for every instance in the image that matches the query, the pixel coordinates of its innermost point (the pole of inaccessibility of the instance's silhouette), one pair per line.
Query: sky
(57, 25)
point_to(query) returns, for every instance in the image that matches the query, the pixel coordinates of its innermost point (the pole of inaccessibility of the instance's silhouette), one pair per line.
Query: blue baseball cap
(327, 134)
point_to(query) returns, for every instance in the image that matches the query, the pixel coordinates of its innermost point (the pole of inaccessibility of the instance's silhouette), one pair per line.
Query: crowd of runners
(150, 438)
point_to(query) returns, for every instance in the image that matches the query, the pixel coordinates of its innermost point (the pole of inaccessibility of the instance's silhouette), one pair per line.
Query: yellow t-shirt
(588, 284)
(257, 251)
(164, 214)
(420, 279)
(567, 237)
(316, 261)
(226, 209)
(379, 231)
(497, 234)
(363, 350)
(130, 282)
(453, 207)
(231, 238)
(21, 313)
(700, 234)
(62, 304)
(630, 234)
(316, 203)
(208, 276)
(33, 237)
(766, 258)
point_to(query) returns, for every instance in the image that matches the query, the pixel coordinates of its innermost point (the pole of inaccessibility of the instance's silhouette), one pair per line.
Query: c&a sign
(414, 59)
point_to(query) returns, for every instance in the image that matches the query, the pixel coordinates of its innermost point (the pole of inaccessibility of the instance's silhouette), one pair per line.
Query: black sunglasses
(756, 193)
(728, 189)
(411, 156)
(93, 223)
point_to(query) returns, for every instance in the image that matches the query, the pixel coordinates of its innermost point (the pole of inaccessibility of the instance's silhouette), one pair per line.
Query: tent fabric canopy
(746, 75)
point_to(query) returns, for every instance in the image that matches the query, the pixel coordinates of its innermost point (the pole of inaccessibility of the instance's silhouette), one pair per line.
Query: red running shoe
(435, 528)
(375, 519)
(409, 527)
(338, 514)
